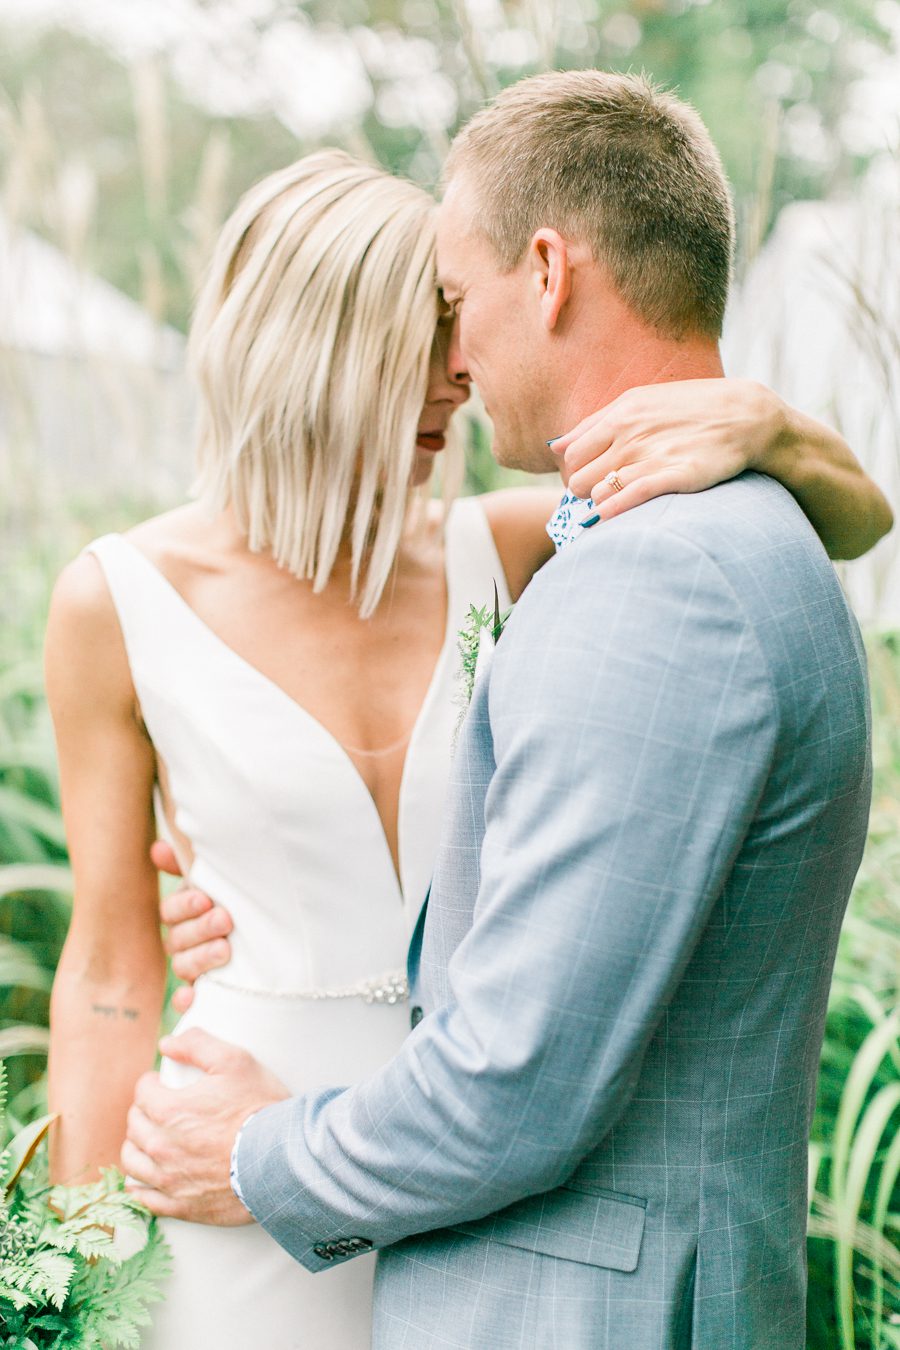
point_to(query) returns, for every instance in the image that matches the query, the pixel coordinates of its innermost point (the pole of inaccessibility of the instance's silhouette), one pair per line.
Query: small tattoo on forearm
(110, 1012)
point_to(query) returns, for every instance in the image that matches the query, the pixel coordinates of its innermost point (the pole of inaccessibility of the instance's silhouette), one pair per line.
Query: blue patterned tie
(571, 518)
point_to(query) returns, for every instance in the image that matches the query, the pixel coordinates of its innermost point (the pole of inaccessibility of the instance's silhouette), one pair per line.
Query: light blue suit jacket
(597, 1135)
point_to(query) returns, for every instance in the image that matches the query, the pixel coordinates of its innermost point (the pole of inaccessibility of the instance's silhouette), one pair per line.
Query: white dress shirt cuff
(235, 1184)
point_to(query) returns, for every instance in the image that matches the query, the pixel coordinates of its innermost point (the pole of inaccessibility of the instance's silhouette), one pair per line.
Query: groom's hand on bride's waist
(177, 1153)
(197, 929)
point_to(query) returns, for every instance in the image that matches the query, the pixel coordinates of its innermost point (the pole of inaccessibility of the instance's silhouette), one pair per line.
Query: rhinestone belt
(391, 988)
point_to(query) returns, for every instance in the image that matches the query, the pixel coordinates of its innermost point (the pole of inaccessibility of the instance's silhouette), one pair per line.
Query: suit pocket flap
(597, 1228)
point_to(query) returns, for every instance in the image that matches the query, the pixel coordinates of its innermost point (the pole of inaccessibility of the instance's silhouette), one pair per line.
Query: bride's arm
(684, 437)
(108, 992)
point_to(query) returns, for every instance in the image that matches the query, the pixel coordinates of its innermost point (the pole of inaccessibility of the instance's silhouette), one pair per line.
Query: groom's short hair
(620, 165)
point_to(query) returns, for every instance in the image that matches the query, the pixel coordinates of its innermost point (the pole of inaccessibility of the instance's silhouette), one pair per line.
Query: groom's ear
(551, 274)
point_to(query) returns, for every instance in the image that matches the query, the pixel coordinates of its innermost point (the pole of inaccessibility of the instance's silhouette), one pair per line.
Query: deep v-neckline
(303, 713)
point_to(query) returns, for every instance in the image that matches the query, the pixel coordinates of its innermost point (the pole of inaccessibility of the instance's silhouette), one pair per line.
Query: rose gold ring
(614, 481)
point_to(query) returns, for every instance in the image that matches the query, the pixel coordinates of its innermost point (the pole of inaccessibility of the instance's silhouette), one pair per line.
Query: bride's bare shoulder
(82, 617)
(84, 651)
(81, 591)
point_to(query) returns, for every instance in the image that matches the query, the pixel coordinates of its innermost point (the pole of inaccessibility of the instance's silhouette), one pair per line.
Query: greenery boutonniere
(78, 1264)
(478, 622)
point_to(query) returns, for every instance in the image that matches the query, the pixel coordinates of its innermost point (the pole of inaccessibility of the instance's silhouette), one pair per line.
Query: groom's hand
(177, 1154)
(197, 929)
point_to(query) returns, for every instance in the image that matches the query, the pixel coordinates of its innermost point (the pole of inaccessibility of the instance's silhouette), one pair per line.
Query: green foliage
(478, 622)
(854, 1222)
(34, 878)
(78, 1265)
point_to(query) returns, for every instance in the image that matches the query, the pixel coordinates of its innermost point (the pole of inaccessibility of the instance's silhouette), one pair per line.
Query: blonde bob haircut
(310, 345)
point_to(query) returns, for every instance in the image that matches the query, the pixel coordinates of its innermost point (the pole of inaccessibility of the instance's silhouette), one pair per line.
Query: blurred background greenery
(126, 134)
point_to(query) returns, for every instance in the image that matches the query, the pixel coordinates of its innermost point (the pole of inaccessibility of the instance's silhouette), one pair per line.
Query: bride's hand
(691, 434)
(678, 437)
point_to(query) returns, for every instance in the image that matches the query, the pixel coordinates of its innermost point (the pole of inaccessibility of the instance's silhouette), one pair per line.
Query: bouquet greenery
(78, 1264)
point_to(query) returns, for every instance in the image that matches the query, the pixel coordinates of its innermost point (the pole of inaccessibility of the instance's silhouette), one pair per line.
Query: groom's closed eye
(448, 305)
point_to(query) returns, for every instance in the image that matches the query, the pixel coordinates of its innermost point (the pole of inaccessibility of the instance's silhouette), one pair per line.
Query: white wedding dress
(285, 833)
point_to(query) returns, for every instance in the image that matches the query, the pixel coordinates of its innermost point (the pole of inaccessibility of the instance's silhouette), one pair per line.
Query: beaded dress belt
(391, 988)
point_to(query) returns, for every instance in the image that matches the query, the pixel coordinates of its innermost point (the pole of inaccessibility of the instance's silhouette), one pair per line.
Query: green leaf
(50, 1322)
(118, 1296)
(23, 1147)
(816, 1157)
(24, 1040)
(20, 968)
(17, 877)
(98, 1220)
(874, 1009)
(865, 1066)
(860, 1165)
(887, 1181)
(50, 1275)
(34, 815)
(12, 1294)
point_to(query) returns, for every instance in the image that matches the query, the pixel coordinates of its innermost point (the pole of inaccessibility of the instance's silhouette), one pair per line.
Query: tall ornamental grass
(855, 1151)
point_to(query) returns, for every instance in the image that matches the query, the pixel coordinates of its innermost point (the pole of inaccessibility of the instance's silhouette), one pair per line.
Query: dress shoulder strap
(473, 563)
(152, 616)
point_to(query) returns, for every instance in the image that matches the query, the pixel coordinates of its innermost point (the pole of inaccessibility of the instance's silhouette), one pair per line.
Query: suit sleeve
(634, 727)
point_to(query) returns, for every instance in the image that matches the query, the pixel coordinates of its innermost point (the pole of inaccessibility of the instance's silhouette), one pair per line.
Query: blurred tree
(157, 172)
(136, 164)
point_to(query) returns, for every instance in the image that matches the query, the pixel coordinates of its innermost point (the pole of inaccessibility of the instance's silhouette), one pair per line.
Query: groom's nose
(456, 366)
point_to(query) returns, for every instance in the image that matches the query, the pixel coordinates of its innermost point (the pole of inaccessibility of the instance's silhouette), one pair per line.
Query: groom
(596, 1134)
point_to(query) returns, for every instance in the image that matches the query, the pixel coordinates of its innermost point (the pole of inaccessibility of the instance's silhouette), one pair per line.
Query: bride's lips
(431, 440)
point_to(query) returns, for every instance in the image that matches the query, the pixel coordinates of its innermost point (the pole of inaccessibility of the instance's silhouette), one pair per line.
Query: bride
(270, 673)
